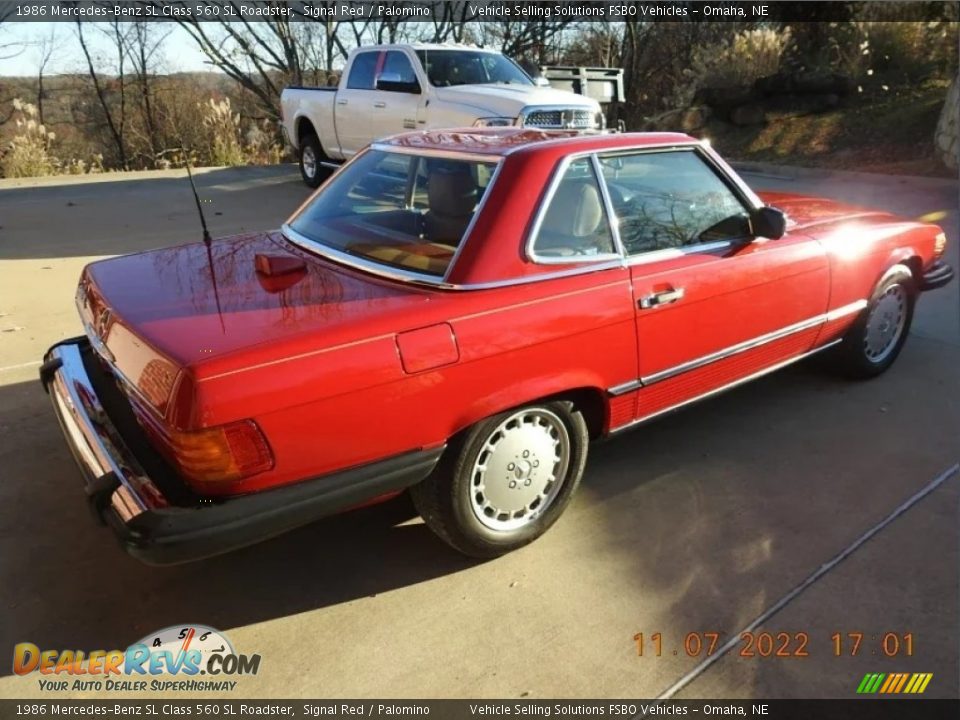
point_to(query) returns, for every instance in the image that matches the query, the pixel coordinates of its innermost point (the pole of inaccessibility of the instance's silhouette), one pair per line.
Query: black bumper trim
(939, 274)
(175, 534)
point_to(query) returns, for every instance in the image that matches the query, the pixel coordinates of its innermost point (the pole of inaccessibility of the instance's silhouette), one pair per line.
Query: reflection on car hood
(806, 212)
(192, 303)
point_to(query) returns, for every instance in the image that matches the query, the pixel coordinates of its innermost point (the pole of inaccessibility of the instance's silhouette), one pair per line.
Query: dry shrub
(28, 153)
(228, 144)
(735, 61)
(224, 136)
(909, 50)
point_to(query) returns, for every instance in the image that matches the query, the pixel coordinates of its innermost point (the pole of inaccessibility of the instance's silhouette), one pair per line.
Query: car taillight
(939, 244)
(221, 454)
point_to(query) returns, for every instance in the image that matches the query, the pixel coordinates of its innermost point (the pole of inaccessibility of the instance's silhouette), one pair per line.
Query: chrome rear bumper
(114, 480)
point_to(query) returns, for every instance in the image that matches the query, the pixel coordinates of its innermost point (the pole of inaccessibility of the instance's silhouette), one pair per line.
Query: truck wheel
(311, 155)
(874, 341)
(503, 483)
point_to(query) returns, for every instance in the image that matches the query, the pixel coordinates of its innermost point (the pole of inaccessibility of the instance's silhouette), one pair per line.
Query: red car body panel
(339, 367)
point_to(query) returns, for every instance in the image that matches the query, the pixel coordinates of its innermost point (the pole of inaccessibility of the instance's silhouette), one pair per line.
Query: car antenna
(196, 196)
(207, 240)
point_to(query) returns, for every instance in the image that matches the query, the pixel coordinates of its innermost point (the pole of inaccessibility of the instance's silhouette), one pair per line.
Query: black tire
(853, 357)
(312, 172)
(444, 498)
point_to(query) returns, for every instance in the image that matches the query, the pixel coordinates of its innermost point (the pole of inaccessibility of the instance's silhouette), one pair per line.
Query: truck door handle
(341, 102)
(660, 298)
(380, 104)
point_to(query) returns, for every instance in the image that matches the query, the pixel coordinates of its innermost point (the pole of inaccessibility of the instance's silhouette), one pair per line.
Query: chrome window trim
(552, 141)
(760, 340)
(382, 269)
(432, 281)
(724, 388)
(703, 151)
(358, 263)
(724, 173)
(527, 279)
(612, 220)
(473, 220)
(670, 253)
(435, 152)
(530, 245)
(730, 174)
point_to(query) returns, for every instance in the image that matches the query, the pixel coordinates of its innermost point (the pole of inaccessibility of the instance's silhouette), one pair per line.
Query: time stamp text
(777, 644)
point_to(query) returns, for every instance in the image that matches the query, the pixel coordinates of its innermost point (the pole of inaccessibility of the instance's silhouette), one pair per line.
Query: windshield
(400, 210)
(470, 67)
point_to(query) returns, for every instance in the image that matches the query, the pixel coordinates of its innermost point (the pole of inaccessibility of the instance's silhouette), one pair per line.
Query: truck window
(362, 71)
(470, 67)
(397, 67)
(396, 209)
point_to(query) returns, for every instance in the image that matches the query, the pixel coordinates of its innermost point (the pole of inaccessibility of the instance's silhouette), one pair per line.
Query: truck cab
(390, 89)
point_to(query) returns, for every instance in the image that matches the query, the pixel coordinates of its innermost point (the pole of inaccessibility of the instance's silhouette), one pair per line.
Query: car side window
(672, 199)
(574, 225)
(397, 67)
(362, 71)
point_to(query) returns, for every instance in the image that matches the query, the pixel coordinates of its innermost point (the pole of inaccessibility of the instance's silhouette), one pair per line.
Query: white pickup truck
(389, 89)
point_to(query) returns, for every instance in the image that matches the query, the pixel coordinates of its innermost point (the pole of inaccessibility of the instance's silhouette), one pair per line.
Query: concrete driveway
(701, 522)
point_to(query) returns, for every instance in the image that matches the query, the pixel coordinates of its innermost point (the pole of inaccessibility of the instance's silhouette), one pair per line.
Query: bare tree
(116, 125)
(531, 39)
(8, 49)
(260, 56)
(46, 48)
(143, 42)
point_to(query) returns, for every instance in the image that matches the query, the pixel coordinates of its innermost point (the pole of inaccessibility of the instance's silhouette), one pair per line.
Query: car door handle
(660, 298)
(380, 104)
(341, 102)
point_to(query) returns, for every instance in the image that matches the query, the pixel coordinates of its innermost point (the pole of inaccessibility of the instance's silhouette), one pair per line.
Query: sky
(179, 50)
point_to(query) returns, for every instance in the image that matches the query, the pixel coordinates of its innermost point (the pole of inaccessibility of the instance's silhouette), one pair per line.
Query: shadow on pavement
(68, 584)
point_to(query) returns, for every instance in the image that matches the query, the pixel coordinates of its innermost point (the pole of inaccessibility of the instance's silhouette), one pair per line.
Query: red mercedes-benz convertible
(458, 313)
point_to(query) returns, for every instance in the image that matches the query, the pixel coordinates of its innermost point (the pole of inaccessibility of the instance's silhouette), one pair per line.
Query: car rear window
(399, 210)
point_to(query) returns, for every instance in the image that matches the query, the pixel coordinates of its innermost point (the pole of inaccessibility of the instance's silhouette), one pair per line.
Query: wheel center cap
(523, 470)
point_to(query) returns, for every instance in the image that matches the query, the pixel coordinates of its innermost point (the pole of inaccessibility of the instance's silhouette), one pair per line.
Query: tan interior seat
(451, 198)
(573, 220)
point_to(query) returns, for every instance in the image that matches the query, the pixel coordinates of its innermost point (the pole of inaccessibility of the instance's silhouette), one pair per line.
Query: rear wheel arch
(915, 265)
(589, 400)
(304, 127)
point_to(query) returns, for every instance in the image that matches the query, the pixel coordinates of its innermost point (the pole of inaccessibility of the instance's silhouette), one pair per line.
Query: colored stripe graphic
(894, 683)
(886, 686)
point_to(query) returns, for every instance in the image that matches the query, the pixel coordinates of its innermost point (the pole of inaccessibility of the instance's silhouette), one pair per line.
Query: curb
(794, 172)
(137, 175)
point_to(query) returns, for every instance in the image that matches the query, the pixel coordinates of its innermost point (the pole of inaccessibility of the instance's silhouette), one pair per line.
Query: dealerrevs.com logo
(183, 651)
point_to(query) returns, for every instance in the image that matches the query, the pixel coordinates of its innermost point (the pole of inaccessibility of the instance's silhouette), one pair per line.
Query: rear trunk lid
(167, 316)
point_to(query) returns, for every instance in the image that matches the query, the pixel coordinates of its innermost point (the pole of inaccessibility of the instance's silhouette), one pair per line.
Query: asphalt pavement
(799, 504)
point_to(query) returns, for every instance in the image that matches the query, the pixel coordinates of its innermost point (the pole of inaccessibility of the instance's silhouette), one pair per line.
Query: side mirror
(768, 222)
(392, 82)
